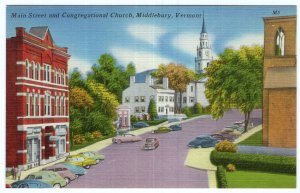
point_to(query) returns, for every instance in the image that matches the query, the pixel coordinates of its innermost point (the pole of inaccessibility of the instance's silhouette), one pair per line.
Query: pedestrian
(12, 171)
(16, 170)
(18, 174)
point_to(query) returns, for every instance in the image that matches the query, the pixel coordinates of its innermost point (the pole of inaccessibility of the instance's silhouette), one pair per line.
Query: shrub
(256, 162)
(78, 139)
(187, 111)
(221, 177)
(133, 119)
(198, 109)
(225, 146)
(156, 122)
(88, 136)
(97, 134)
(230, 168)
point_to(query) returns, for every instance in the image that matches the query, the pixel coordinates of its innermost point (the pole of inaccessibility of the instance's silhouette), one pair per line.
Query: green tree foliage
(111, 76)
(179, 77)
(152, 109)
(235, 79)
(80, 98)
(76, 80)
(187, 111)
(97, 121)
(106, 102)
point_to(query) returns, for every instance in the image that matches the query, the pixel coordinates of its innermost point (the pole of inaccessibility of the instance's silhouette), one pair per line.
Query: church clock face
(207, 53)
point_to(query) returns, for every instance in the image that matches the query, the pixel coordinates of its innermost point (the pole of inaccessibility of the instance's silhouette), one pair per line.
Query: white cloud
(141, 59)
(82, 65)
(147, 33)
(188, 42)
(246, 40)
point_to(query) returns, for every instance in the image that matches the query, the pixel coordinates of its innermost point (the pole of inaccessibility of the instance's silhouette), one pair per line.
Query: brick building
(37, 117)
(279, 86)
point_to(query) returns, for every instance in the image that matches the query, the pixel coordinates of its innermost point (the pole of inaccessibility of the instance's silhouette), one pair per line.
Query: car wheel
(119, 141)
(97, 161)
(56, 186)
(67, 180)
(87, 167)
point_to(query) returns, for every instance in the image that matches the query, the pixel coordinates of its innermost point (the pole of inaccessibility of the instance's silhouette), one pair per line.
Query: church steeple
(203, 25)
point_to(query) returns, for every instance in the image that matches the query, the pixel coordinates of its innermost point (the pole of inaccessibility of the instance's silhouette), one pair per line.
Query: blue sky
(147, 42)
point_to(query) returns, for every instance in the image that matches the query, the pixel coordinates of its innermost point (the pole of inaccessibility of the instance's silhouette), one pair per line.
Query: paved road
(127, 166)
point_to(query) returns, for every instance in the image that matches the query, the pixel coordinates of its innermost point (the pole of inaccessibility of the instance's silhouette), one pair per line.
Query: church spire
(203, 25)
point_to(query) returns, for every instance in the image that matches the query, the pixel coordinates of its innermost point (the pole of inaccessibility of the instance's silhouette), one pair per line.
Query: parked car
(174, 120)
(151, 143)
(223, 136)
(234, 128)
(30, 184)
(93, 155)
(203, 142)
(80, 160)
(139, 125)
(50, 177)
(175, 127)
(126, 138)
(162, 130)
(7, 186)
(77, 170)
(62, 171)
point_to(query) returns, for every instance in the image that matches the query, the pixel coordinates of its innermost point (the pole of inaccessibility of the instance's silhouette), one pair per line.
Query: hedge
(221, 177)
(257, 162)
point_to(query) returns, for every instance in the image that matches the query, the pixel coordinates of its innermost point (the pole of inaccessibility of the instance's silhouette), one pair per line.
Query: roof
(280, 77)
(203, 25)
(279, 17)
(141, 76)
(40, 32)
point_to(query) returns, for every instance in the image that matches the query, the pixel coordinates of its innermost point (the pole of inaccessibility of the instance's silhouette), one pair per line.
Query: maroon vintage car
(62, 171)
(151, 143)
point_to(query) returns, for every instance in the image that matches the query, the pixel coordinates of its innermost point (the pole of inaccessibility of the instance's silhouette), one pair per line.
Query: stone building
(279, 84)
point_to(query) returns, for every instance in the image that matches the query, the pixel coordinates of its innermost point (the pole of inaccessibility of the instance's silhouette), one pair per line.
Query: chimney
(149, 80)
(165, 83)
(132, 80)
(20, 31)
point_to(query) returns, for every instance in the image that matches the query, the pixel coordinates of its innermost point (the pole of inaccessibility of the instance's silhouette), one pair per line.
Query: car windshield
(30, 177)
(149, 140)
(38, 177)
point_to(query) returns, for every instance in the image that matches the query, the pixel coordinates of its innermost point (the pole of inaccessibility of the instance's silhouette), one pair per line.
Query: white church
(195, 90)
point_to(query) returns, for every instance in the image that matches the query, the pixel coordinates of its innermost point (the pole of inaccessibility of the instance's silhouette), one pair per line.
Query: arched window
(54, 75)
(38, 71)
(32, 70)
(58, 77)
(26, 69)
(47, 104)
(279, 49)
(63, 77)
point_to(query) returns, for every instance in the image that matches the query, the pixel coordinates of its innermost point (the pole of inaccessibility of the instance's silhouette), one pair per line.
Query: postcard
(150, 96)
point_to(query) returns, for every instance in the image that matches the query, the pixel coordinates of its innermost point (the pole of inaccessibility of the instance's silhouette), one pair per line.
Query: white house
(137, 96)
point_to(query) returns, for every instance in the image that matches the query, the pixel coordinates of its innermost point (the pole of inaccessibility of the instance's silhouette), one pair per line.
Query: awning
(281, 77)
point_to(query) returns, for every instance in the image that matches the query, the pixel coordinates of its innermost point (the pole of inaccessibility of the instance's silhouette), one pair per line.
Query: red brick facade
(37, 110)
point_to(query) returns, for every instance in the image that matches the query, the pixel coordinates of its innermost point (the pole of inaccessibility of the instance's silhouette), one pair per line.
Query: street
(128, 166)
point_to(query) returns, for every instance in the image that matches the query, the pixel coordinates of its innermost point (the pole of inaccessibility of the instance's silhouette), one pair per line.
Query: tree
(80, 98)
(76, 80)
(197, 108)
(152, 109)
(235, 79)
(179, 77)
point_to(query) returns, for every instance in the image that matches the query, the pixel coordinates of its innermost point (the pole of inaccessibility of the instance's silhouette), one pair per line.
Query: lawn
(254, 140)
(252, 179)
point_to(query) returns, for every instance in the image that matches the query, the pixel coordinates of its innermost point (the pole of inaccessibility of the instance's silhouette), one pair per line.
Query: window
(279, 49)
(136, 99)
(142, 98)
(171, 109)
(32, 105)
(142, 109)
(47, 72)
(61, 106)
(58, 75)
(192, 89)
(166, 98)
(63, 78)
(26, 69)
(32, 70)
(27, 104)
(184, 99)
(54, 79)
(136, 109)
(38, 103)
(127, 99)
(191, 99)
(47, 104)
(38, 71)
